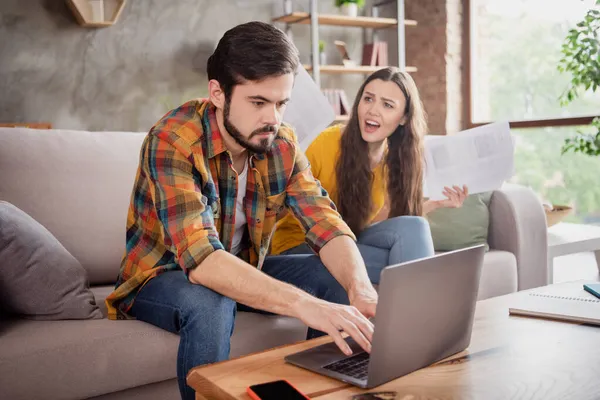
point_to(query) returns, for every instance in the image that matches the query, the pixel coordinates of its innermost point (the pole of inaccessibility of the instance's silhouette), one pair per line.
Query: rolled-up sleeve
(312, 206)
(182, 210)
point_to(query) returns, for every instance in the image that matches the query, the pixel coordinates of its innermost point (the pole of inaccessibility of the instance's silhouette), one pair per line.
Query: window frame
(468, 79)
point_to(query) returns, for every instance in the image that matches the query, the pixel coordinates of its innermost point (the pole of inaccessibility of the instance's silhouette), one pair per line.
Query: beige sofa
(77, 184)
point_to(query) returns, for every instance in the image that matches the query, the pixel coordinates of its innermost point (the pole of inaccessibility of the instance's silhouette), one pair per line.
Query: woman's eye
(388, 105)
(258, 103)
(368, 99)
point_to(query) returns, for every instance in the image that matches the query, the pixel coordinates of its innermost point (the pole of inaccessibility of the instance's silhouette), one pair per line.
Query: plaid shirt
(183, 202)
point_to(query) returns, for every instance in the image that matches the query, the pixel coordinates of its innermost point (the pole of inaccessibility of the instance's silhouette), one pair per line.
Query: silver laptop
(424, 314)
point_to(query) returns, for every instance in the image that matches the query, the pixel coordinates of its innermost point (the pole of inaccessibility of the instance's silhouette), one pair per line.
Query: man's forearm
(342, 258)
(232, 277)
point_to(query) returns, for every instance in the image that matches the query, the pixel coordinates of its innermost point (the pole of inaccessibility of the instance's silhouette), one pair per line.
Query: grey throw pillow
(39, 278)
(457, 228)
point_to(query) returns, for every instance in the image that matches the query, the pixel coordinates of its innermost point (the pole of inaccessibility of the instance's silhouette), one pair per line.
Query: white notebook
(566, 302)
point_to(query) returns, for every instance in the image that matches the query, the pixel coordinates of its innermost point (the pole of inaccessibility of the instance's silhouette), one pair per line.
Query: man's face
(253, 114)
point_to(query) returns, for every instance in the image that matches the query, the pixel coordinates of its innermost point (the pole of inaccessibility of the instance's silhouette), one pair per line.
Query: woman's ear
(403, 120)
(216, 94)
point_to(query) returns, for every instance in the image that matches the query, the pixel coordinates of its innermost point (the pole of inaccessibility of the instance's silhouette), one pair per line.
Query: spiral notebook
(565, 302)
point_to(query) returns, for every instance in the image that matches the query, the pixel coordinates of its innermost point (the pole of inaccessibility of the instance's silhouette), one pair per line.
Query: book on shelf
(368, 56)
(383, 54)
(338, 100)
(375, 54)
(344, 103)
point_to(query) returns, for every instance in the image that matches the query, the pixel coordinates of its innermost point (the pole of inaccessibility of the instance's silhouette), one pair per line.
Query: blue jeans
(204, 319)
(389, 242)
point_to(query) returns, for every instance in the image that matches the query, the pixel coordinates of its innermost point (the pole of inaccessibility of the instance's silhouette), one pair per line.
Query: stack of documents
(481, 158)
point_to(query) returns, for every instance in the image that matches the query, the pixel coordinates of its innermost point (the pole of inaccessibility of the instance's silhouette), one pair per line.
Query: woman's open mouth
(371, 126)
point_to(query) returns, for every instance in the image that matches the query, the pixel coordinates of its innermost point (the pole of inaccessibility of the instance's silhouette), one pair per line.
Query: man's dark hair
(251, 52)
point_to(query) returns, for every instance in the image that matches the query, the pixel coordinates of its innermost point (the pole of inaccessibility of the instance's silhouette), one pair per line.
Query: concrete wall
(123, 77)
(127, 76)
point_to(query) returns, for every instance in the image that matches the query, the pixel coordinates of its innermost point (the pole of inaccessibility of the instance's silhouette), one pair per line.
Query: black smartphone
(276, 390)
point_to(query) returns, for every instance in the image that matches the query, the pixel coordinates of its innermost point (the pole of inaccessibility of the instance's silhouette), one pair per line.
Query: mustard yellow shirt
(323, 155)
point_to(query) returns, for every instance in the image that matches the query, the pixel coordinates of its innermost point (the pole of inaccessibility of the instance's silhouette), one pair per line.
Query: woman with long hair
(373, 171)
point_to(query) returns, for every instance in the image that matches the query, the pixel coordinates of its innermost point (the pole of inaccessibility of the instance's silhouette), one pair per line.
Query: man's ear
(216, 94)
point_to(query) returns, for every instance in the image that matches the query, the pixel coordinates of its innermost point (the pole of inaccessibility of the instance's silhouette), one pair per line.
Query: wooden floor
(574, 267)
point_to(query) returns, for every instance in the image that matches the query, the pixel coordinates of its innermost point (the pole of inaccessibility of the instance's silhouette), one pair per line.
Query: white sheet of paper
(481, 158)
(308, 111)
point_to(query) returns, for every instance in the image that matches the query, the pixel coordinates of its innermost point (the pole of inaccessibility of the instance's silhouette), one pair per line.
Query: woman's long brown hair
(403, 163)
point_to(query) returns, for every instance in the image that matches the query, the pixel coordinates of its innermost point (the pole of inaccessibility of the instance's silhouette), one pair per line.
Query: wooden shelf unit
(373, 22)
(82, 11)
(303, 18)
(358, 69)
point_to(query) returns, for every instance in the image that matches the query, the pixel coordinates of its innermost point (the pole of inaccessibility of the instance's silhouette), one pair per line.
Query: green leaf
(581, 56)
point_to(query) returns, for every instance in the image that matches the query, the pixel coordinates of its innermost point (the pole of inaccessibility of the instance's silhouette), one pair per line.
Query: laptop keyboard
(355, 366)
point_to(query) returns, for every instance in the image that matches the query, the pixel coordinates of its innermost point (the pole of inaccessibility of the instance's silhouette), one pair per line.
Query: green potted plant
(322, 55)
(350, 7)
(581, 58)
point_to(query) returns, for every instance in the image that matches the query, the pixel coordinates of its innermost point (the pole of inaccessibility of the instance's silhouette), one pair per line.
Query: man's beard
(261, 148)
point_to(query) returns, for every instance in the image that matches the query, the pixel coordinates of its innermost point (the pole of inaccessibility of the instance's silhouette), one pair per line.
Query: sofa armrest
(518, 225)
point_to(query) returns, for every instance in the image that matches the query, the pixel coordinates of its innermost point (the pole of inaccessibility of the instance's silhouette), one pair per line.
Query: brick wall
(454, 66)
(434, 46)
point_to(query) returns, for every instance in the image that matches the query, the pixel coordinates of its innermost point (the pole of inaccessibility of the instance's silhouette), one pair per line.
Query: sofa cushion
(77, 184)
(257, 332)
(39, 278)
(81, 359)
(457, 228)
(499, 274)
(253, 332)
(154, 391)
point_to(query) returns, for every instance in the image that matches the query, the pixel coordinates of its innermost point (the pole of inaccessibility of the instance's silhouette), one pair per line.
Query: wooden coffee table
(509, 358)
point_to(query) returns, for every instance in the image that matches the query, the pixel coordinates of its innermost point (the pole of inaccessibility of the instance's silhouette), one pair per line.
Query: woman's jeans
(389, 242)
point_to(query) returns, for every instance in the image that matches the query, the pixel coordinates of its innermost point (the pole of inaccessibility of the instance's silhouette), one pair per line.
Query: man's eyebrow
(262, 98)
(383, 98)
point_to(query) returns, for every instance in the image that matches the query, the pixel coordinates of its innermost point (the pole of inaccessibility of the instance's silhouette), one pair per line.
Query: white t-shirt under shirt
(240, 214)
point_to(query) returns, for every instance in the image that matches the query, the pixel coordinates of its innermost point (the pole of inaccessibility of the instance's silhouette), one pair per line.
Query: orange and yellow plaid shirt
(183, 202)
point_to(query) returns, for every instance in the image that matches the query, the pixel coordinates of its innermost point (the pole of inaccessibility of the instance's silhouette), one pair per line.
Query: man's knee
(210, 312)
